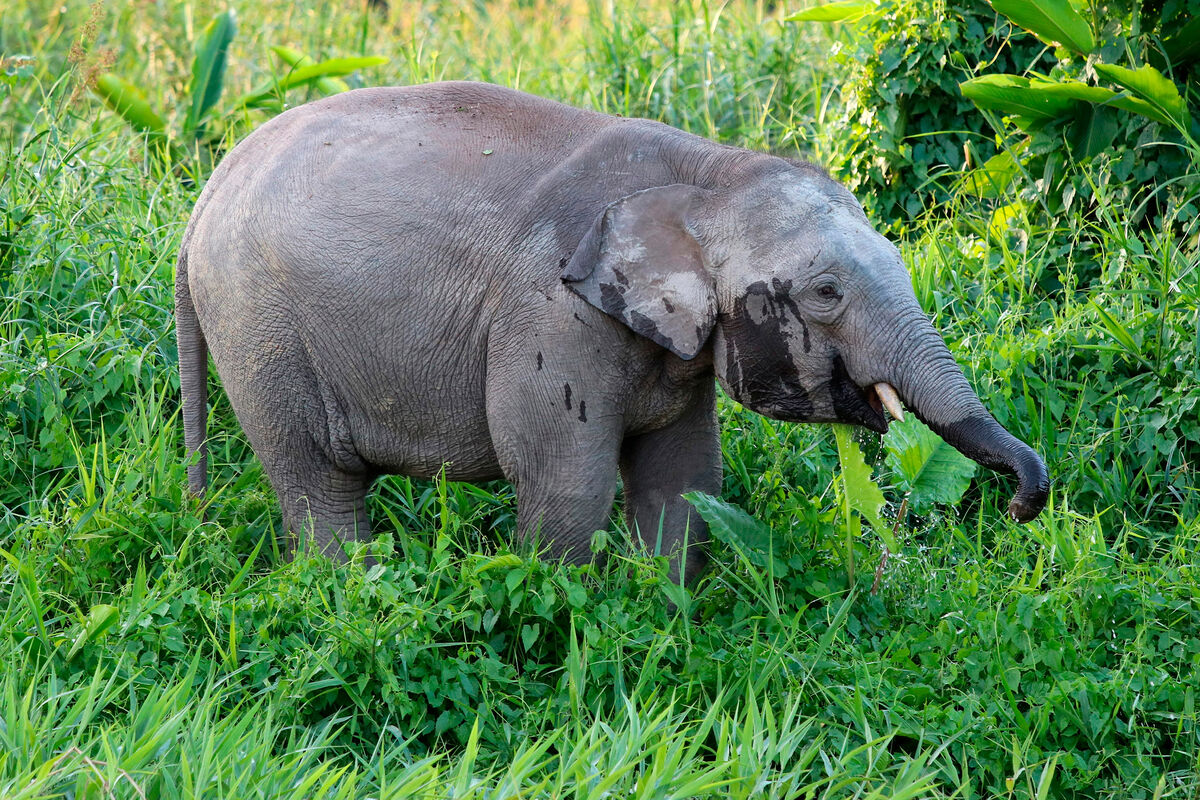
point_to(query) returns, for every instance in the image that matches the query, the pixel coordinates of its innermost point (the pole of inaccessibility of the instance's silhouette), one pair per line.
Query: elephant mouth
(858, 406)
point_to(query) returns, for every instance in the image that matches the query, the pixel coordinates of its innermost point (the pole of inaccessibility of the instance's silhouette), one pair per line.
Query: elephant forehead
(804, 190)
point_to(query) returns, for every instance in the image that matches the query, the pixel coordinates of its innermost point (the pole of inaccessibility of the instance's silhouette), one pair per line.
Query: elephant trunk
(936, 390)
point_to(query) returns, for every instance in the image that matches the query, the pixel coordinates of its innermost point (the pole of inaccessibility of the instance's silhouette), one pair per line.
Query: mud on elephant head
(810, 311)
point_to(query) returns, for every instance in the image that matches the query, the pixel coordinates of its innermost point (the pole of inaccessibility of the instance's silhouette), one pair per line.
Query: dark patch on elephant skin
(644, 326)
(668, 306)
(567, 394)
(622, 280)
(612, 299)
(562, 263)
(539, 362)
(783, 295)
(762, 372)
(850, 402)
(582, 411)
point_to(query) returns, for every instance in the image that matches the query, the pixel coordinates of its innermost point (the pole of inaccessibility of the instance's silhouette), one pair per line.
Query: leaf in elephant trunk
(929, 470)
(860, 493)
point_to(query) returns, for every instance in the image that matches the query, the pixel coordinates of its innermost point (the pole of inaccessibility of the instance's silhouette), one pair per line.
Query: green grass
(147, 649)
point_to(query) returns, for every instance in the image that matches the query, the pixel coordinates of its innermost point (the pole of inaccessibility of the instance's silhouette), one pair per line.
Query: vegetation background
(1051, 234)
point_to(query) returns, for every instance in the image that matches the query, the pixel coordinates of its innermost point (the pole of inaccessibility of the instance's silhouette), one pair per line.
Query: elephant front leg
(564, 470)
(658, 467)
(561, 515)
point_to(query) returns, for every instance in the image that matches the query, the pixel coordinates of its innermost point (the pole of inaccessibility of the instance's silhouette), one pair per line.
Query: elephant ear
(641, 264)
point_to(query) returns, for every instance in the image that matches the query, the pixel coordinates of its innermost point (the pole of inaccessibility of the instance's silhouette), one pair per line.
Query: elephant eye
(829, 290)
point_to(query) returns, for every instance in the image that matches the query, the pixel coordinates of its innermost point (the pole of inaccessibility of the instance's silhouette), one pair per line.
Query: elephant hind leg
(321, 501)
(331, 507)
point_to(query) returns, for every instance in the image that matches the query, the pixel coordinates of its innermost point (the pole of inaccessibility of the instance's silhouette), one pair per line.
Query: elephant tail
(193, 379)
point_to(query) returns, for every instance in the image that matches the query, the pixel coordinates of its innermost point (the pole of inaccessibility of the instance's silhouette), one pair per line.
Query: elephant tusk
(890, 400)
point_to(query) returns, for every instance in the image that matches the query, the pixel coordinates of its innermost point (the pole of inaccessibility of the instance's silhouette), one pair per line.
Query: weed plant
(148, 649)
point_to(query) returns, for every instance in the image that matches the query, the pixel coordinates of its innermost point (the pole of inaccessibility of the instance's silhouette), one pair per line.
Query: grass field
(148, 649)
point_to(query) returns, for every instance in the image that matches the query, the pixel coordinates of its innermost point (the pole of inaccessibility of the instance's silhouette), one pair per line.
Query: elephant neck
(668, 385)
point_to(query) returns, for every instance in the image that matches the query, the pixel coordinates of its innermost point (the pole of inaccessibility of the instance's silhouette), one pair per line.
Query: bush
(904, 128)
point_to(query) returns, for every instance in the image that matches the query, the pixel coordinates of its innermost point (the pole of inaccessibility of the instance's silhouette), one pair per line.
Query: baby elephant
(392, 280)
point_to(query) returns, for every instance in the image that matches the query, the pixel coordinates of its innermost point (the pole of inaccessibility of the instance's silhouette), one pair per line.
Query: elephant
(463, 277)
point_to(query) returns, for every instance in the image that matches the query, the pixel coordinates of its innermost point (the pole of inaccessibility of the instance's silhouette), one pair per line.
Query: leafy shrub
(1103, 98)
(903, 129)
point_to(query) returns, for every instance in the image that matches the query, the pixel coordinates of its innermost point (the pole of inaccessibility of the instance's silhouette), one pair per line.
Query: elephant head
(809, 311)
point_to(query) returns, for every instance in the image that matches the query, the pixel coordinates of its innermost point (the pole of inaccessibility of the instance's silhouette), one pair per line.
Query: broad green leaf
(841, 11)
(502, 561)
(529, 634)
(1184, 45)
(1095, 129)
(1098, 95)
(295, 58)
(128, 101)
(1032, 102)
(1153, 88)
(733, 526)
(993, 176)
(290, 55)
(862, 494)
(1052, 21)
(1015, 95)
(928, 469)
(208, 69)
(334, 67)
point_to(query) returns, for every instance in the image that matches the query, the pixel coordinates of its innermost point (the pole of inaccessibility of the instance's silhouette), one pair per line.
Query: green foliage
(1035, 103)
(902, 130)
(206, 85)
(737, 529)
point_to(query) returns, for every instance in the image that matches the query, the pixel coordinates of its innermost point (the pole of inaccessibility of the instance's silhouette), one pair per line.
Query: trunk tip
(1033, 488)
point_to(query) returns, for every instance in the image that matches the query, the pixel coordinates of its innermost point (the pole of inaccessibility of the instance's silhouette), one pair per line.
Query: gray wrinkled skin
(390, 280)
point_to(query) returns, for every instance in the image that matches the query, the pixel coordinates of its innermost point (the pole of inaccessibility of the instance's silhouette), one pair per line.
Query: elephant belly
(412, 405)
(418, 436)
